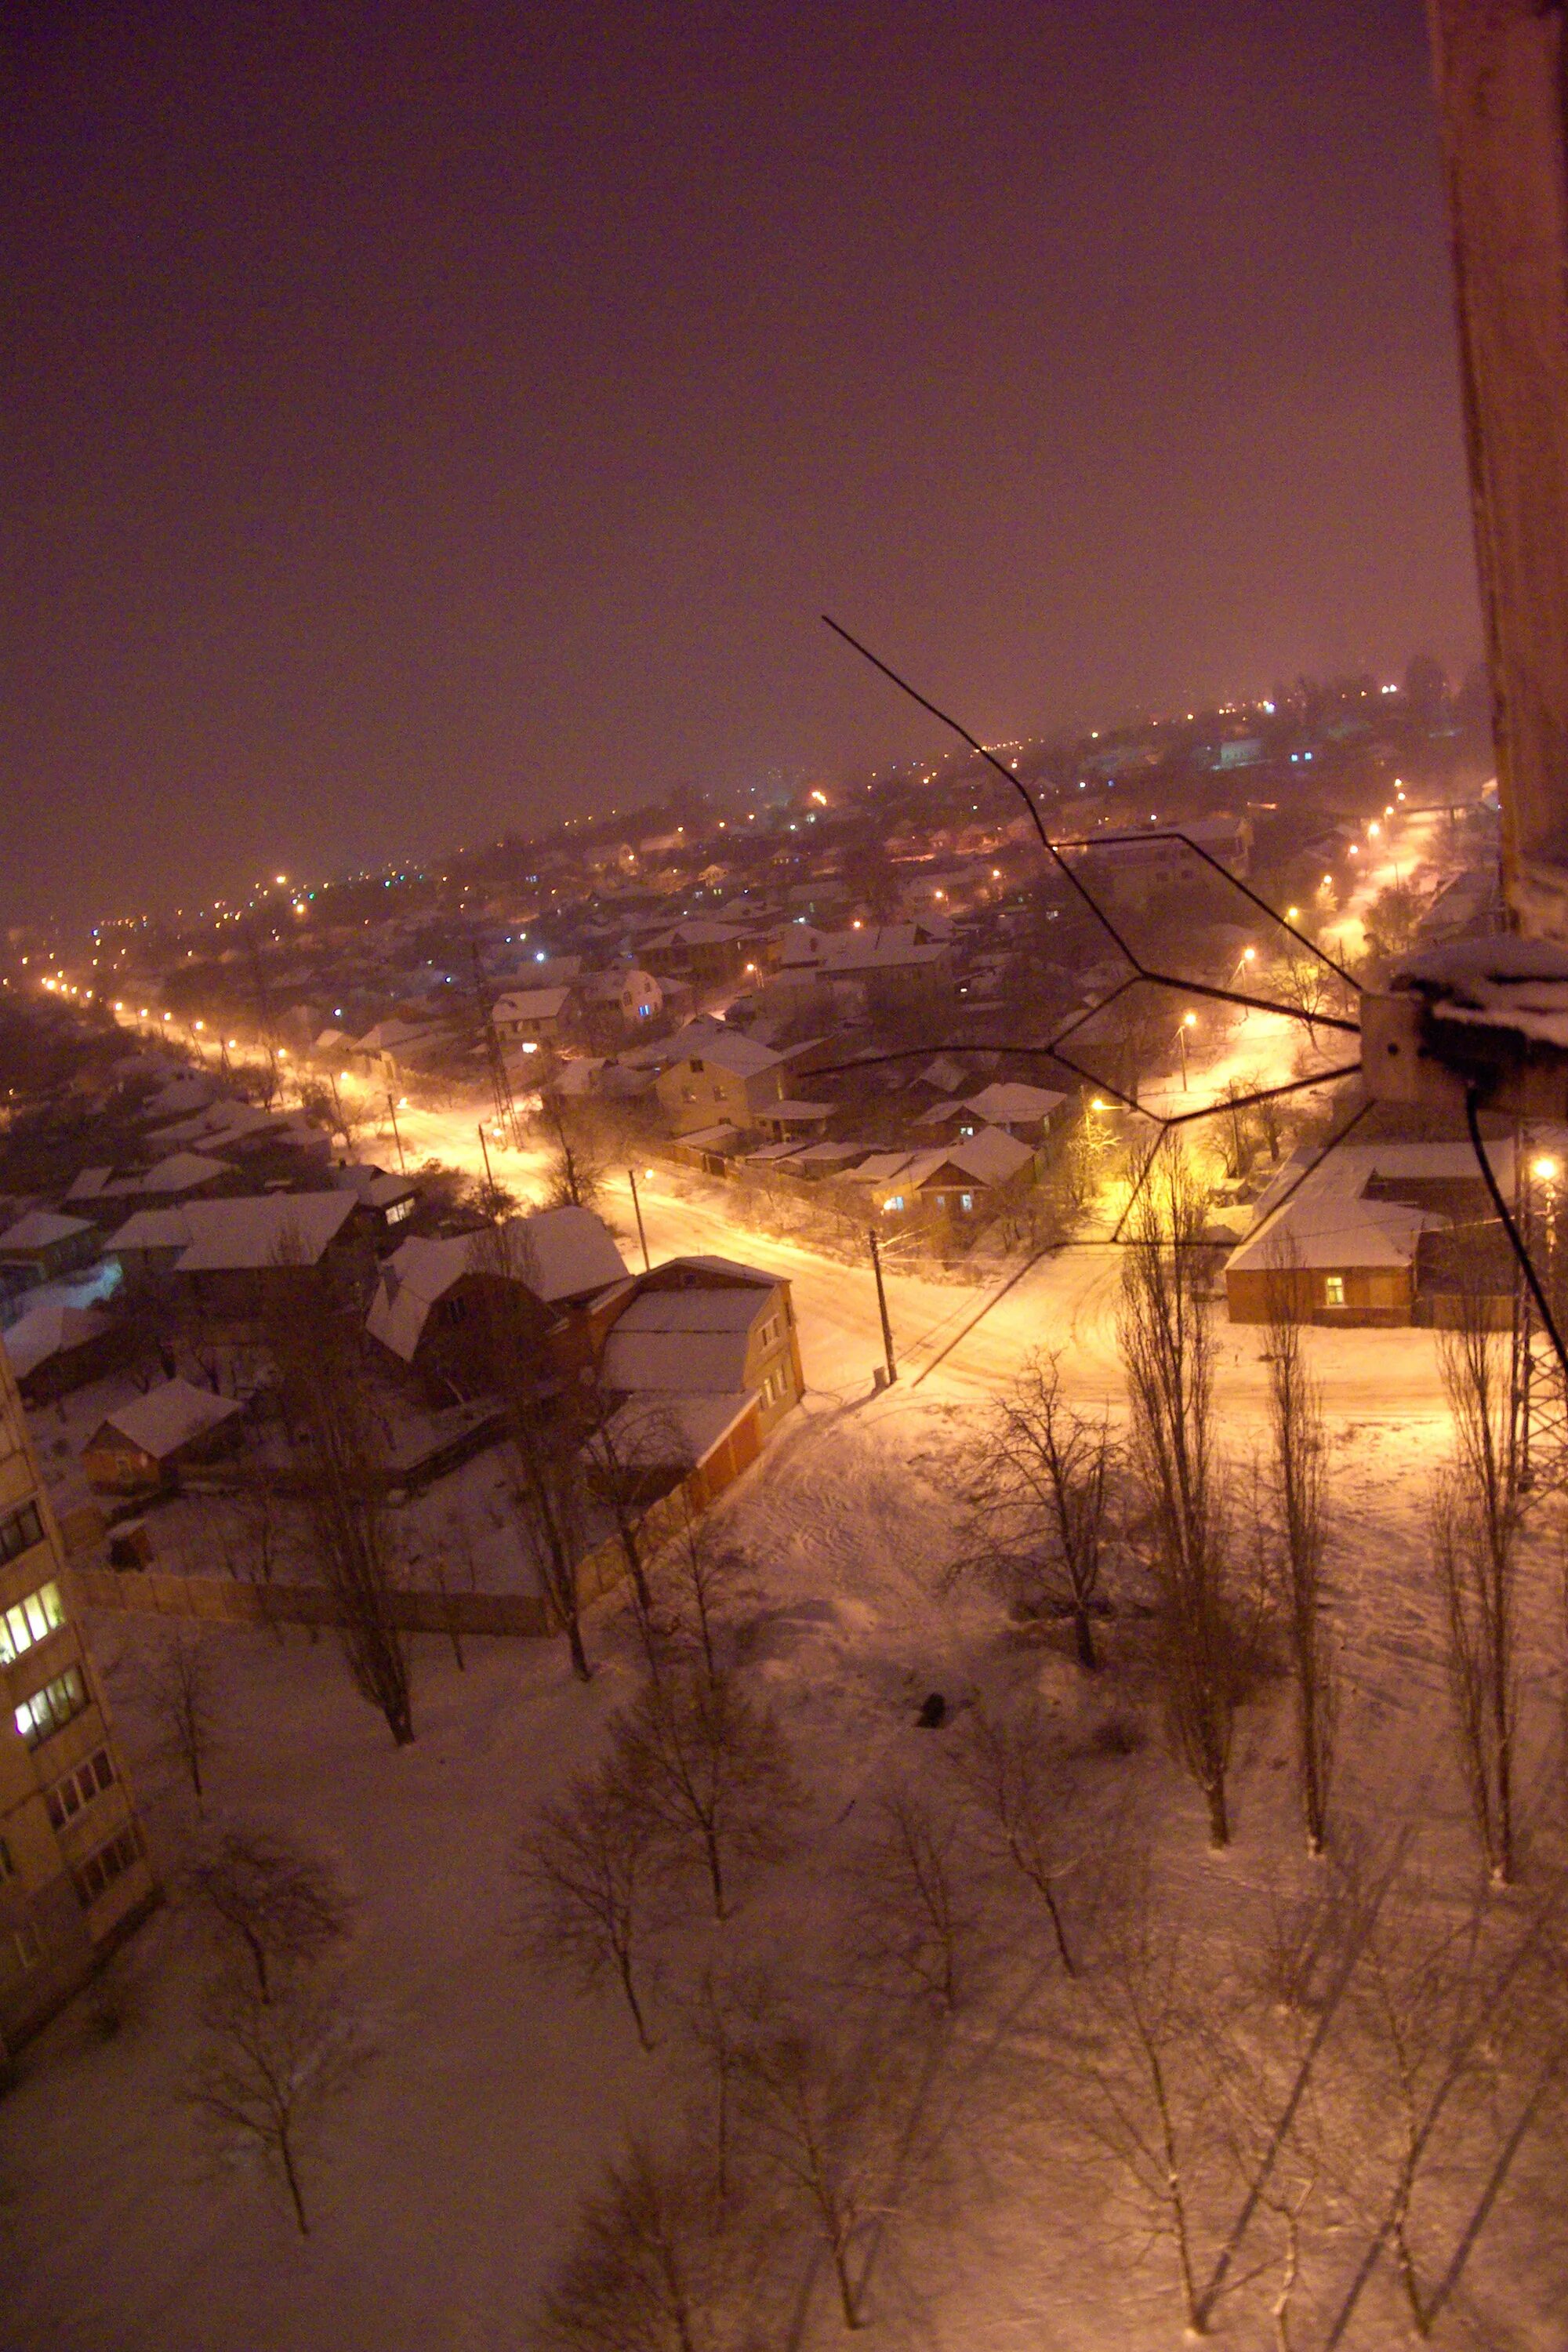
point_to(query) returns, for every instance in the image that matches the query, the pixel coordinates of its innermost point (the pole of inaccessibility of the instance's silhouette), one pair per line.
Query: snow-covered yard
(446, 2186)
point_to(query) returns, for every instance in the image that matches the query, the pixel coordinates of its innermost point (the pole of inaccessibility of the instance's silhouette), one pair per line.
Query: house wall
(1372, 1295)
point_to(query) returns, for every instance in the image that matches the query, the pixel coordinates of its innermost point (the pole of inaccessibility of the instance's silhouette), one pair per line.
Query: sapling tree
(1166, 1337)
(917, 1915)
(317, 1343)
(268, 1901)
(1477, 1520)
(812, 2116)
(177, 1691)
(1296, 1479)
(702, 1578)
(1012, 1776)
(268, 2074)
(658, 2262)
(588, 1873)
(1040, 1478)
(710, 1771)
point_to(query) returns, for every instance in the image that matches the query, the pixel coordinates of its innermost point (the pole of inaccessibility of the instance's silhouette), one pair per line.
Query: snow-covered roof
(673, 1431)
(1010, 1102)
(881, 1167)
(39, 1229)
(183, 1172)
(691, 1341)
(794, 1113)
(46, 1331)
(563, 1254)
(420, 1271)
(168, 1417)
(530, 1004)
(729, 1049)
(263, 1229)
(90, 1184)
(147, 1229)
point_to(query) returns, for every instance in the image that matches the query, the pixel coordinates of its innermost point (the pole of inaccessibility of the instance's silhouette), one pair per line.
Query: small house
(144, 1446)
(42, 1245)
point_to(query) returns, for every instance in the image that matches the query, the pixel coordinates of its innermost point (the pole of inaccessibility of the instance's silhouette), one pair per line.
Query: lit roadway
(1067, 1301)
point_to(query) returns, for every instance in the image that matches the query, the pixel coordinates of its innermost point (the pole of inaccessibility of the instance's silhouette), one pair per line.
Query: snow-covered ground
(441, 2196)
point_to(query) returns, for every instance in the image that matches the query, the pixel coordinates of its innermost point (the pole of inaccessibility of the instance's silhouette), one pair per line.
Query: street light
(1189, 1020)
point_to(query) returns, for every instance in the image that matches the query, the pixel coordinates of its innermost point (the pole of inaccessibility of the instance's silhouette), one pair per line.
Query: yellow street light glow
(1374, 828)
(1544, 1168)
(1096, 1104)
(529, 1045)
(1189, 1020)
(200, 1025)
(1249, 955)
(1291, 914)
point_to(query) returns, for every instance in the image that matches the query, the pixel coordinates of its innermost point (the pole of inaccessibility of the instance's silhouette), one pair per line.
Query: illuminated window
(897, 1202)
(966, 1200)
(28, 1620)
(19, 1530)
(49, 1710)
(1333, 1291)
(399, 1209)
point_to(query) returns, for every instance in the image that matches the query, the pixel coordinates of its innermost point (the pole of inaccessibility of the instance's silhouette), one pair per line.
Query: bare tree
(702, 1578)
(1476, 1528)
(1165, 1332)
(814, 2116)
(1138, 2090)
(316, 1342)
(1012, 1776)
(577, 1161)
(916, 1910)
(1040, 1477)
(269, 2072)
(657, 2264)
(265, 1898)
(698, 1758)
(588, 1869)
(549, 1487)
(1296, 1473)
(177, 1691)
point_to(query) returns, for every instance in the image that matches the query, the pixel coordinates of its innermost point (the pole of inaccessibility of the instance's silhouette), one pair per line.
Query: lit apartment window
(68, 1797)
(28, 1620)
(966, 1200)
(1333, 1291)
(101, 1870)
(399, 1209)
(19, 1530)
(49, 1710)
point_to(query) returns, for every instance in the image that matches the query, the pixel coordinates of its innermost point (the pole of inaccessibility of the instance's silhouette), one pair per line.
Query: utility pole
(495, 1060)
(636, 1204)
(882, 1305)
(484, 1147)
(392, 1106)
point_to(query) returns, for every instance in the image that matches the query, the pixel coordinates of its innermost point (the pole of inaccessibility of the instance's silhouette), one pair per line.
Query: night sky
(424, 419)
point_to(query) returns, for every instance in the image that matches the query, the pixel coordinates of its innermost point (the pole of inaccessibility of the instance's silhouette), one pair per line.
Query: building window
(19, 1530)
(68, 1797)
(1333, 1291)
(897, 1202)
(966, 1200)
(101, 1870)
(399, 1209)
(29, 1621)
(50, 1710)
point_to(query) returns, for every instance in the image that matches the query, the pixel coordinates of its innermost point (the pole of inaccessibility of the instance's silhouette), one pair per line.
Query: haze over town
(781, 1480)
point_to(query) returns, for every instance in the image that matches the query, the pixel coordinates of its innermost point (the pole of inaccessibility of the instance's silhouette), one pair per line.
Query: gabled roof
(90, 1183)
(727, 1049)
(989, 1157)
(183, 1172)
(168, 1417)
(1011, 1102)
(39, 1228)
(263, 1229)
(686, 1342)
(147, 1229)
(529, 1005)
(558, 1255)
(563, 1254)
(46, 1331)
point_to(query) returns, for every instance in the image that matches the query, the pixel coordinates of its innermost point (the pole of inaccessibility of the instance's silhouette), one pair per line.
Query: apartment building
(74, 1877)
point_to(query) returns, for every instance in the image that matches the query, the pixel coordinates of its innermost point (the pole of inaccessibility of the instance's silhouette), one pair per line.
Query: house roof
(90, 1183)
(691, 1341)
(991, 1157)
(39, 1229)
(150, 1228)
(167, 1418)
(529, 1005)
(675, 1431)
(558, 1255)
(793, 1113)
(183, 1172)
(46, 1331)
(729, 1049)
(1011, 1102)
(881, 1167)
(563, 1253)
(263, 1229)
